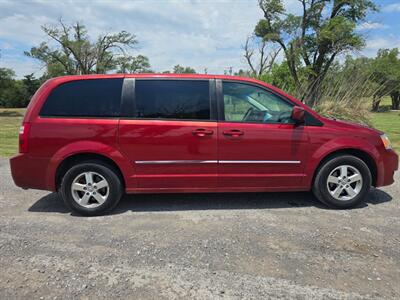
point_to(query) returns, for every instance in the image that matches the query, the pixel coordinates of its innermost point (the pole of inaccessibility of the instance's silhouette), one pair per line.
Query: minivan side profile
(95, 137)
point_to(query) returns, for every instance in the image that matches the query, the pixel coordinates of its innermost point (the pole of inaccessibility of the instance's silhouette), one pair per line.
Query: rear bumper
(30, 172)
(390, 163)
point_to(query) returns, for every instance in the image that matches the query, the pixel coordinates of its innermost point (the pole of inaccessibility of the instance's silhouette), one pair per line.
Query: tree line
(307, 44)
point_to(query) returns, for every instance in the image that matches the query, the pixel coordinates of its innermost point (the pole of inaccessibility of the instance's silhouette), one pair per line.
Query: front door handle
(235, 133)
(202, 132)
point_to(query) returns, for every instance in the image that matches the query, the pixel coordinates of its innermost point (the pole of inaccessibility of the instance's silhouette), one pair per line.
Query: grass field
(389, 122)
(10, 121)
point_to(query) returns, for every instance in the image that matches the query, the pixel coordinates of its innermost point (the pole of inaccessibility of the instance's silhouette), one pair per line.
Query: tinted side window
(172, 99)
(85, 98)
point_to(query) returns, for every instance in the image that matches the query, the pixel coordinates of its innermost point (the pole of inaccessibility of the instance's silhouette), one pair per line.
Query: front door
(259, 145)
(171, 139)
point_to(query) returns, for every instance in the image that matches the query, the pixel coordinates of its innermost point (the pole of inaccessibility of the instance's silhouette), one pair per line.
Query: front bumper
(390, 163)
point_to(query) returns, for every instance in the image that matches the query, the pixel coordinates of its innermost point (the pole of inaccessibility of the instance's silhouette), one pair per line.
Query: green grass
(389, 122)
(10, 121)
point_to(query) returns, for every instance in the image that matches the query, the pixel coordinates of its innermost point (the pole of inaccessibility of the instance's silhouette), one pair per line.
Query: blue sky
(200, 34)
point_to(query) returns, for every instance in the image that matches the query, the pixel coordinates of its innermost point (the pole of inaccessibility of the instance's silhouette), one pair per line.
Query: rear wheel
(342, 182)
(91, 188)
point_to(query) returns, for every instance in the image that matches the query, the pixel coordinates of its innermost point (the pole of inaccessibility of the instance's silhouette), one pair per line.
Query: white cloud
(380, 42)
(206, 33)
(21, 65)
(371, 26)
(22, 28)
(395, 7)
(195, 33)
(6, 46)
(376, 43)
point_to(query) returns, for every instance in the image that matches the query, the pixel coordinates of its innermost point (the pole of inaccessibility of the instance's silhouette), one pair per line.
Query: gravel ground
(203, 246)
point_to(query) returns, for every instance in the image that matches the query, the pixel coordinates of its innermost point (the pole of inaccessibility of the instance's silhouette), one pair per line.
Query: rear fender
(87, 147)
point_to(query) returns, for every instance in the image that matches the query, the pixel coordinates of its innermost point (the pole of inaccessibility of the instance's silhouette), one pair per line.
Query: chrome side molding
(259, 161)
(156, 162)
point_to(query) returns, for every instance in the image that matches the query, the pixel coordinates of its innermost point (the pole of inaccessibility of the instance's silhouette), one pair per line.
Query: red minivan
(95, 137)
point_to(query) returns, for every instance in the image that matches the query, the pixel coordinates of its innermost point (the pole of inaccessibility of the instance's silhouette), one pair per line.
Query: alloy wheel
(344, 182)
(90, 189)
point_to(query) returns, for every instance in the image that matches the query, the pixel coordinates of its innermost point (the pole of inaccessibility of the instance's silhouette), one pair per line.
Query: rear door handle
(202, 132)
(235, 133)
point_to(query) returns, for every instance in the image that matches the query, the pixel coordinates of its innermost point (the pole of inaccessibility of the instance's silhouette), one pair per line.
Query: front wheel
(91, 188)
(342, 182)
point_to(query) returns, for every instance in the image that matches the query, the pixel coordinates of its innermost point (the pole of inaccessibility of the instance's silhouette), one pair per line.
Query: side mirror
(298, 114)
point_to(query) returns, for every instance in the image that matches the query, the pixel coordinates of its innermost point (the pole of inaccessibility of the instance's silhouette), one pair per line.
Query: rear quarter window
(85, 98)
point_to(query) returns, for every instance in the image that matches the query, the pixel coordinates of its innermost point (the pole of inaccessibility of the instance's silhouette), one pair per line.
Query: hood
(350, 126)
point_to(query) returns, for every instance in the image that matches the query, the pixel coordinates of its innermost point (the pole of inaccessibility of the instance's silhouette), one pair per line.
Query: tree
(257, 56)
(30, 85)
(134, 64)
(178, 69)
(395, 95)
(6, 83)
(75, 53)
(16, 93)
(243, 73)
(324, 29)
(386, 73)
(12, 92)
(279, 76)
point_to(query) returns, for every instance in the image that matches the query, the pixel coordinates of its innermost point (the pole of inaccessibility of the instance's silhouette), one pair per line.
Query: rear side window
(172, 99)
(85, 98)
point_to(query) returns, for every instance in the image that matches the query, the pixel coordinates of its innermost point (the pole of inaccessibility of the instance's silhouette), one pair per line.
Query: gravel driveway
(203, 246)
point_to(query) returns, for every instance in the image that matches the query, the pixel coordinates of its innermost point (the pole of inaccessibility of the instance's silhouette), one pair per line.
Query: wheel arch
(74, 159)
(363, 155)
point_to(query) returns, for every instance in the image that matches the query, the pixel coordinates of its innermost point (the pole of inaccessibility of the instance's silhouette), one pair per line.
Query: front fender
(337, 145)
(82, 147)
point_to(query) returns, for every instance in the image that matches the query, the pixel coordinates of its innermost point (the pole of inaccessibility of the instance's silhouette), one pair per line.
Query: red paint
(47, 142)
(298, 114)
(150, 140)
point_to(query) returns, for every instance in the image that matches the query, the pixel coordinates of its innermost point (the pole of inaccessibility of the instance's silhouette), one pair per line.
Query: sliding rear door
(169, 133)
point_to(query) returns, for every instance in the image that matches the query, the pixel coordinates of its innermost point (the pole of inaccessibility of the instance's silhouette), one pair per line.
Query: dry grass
(347, 96)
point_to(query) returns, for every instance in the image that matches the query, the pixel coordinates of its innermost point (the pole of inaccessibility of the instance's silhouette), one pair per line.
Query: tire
(91, 188)
(337, 182)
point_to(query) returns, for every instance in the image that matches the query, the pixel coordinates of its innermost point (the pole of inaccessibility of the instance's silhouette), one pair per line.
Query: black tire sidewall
(112, 178)
(320, 187)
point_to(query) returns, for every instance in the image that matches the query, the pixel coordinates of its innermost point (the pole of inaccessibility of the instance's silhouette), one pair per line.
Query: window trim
(80, 117)
(128, 107)
(221, 105)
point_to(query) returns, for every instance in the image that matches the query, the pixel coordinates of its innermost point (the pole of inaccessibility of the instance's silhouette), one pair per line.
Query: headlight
(386, 142)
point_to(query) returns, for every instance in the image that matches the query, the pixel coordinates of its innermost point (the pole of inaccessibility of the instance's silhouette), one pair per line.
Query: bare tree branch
(262, 61)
